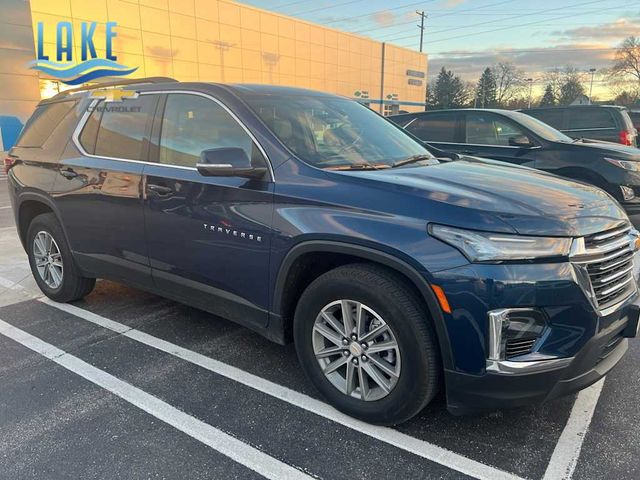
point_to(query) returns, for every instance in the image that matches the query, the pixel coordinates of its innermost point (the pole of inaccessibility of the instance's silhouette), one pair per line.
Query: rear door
(208, 237)
(489, 135)
(592, 122)
(441, 129)
(98, 189)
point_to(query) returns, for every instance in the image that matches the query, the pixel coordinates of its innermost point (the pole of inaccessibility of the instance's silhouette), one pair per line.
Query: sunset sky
(467, 35)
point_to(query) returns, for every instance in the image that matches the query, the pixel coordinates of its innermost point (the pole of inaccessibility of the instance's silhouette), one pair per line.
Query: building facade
(223, 41)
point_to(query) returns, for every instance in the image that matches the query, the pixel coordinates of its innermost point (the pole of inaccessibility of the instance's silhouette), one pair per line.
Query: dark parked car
(607, 123)
(307, 216)
(517, 138)
(634, 115)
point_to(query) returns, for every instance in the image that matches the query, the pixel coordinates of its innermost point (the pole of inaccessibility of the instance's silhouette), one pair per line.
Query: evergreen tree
(486, 90)
(448, 91)
(548, 99)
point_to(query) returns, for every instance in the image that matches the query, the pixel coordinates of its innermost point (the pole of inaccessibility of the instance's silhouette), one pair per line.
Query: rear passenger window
(42, 123)
(434, 128)
(124, 127)
(192, 124)
(586, 118)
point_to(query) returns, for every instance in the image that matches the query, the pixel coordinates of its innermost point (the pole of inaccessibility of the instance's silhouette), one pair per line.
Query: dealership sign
(67, 69)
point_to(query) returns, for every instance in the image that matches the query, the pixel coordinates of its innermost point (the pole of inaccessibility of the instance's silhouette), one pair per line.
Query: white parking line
(567, 452)
(5, 207)
(229, 446)
(390, 436)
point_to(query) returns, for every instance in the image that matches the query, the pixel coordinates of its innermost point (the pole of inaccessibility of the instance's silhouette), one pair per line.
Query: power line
(399, 7)
(436, 16)
(325, 7)
(508, 18)
(516, 52)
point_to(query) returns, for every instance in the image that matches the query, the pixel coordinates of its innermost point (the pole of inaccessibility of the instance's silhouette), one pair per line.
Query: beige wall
(210, 40)
(19, 91)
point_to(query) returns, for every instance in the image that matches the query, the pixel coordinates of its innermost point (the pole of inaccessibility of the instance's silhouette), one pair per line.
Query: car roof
(166, 83)
(560, 107)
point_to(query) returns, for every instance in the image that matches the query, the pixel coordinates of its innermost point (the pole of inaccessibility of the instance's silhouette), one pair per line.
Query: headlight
(496, 247)
(627, 165)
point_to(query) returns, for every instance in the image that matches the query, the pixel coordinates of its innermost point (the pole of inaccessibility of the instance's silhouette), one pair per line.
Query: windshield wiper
(353, 166)
(411, 159)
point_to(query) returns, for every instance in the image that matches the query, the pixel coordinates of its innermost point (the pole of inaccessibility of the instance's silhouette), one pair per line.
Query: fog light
(514, 332)
(627, 192)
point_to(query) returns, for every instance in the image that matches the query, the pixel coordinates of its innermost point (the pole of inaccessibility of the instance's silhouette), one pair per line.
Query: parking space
(126, 384)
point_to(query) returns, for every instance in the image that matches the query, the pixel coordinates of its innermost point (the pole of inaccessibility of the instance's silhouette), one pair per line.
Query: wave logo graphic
(83, 72)
(90, 67)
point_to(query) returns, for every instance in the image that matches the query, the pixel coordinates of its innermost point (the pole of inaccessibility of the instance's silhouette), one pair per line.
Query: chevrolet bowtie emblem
(113, 94)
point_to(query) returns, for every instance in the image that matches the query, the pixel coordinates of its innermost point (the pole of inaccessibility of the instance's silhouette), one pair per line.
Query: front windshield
(540, 128)
(335, 133)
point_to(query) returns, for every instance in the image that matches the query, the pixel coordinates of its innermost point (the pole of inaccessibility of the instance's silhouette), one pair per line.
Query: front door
(208, 237)
(488, 135)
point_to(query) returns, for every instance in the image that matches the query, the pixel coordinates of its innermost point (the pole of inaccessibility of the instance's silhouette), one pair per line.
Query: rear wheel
(365, 341)
(51, 261)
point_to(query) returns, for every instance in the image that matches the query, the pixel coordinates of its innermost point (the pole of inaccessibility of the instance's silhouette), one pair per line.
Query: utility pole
(422, 16)
(592, 71)
(530, 82)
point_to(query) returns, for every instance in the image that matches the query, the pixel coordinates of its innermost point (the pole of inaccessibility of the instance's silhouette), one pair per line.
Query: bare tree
(627, 60)
(510, 82)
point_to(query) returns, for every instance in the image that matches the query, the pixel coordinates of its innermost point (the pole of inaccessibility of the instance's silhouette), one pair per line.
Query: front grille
(516, 347)
(608, 259)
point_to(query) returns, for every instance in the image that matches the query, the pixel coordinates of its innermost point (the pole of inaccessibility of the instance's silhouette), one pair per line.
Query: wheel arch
(29, 206)
(351, 253)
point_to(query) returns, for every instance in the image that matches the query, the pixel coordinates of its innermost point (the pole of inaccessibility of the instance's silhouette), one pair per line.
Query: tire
(385, 297)
(72, 286)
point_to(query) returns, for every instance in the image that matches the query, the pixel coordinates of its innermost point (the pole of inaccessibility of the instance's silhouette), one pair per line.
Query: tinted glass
(585, 118)
(192, 124)
(124, 127)
(333, 132)
(42, 123)
(488, 129)
(435, 127)
(550, 117)
(539, 128)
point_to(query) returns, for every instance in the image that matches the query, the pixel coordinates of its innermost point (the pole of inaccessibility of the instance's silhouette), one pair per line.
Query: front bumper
(525, 386)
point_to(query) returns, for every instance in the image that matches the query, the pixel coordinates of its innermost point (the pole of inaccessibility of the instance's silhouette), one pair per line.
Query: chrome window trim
(588, 129)
(76, 133)
(535, 147)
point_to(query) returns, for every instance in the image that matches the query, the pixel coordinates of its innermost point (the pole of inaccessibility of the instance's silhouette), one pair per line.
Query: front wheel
(51, 261)
(367, 344)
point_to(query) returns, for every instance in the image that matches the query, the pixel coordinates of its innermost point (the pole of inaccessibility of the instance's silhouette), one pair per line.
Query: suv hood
(616, 150)
(522, 200)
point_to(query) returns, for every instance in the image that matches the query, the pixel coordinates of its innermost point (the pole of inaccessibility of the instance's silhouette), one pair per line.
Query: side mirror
(520, 141)
(228, 162)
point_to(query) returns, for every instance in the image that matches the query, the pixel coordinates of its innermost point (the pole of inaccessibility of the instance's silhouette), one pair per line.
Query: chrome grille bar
(608, 259)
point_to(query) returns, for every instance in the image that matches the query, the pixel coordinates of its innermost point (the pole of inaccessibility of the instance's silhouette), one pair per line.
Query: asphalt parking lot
(126, 384)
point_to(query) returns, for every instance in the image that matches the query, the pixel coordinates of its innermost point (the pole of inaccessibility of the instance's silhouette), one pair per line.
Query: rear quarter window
(42, 123)
(584, 118)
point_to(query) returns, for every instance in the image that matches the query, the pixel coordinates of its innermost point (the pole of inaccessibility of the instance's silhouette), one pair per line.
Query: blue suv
(307, 216)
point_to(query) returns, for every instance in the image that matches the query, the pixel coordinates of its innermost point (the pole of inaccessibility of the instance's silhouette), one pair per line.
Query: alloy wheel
(356, 350)
(48, 259)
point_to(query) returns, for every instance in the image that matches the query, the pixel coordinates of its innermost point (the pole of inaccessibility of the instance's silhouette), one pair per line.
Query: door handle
(159, 189)
(468, 152)
(68, 173)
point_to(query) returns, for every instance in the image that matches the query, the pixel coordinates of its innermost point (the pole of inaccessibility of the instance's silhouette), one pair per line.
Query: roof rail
(132, 81)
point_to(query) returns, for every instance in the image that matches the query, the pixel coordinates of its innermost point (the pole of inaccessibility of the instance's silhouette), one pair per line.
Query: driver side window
(488, 129)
